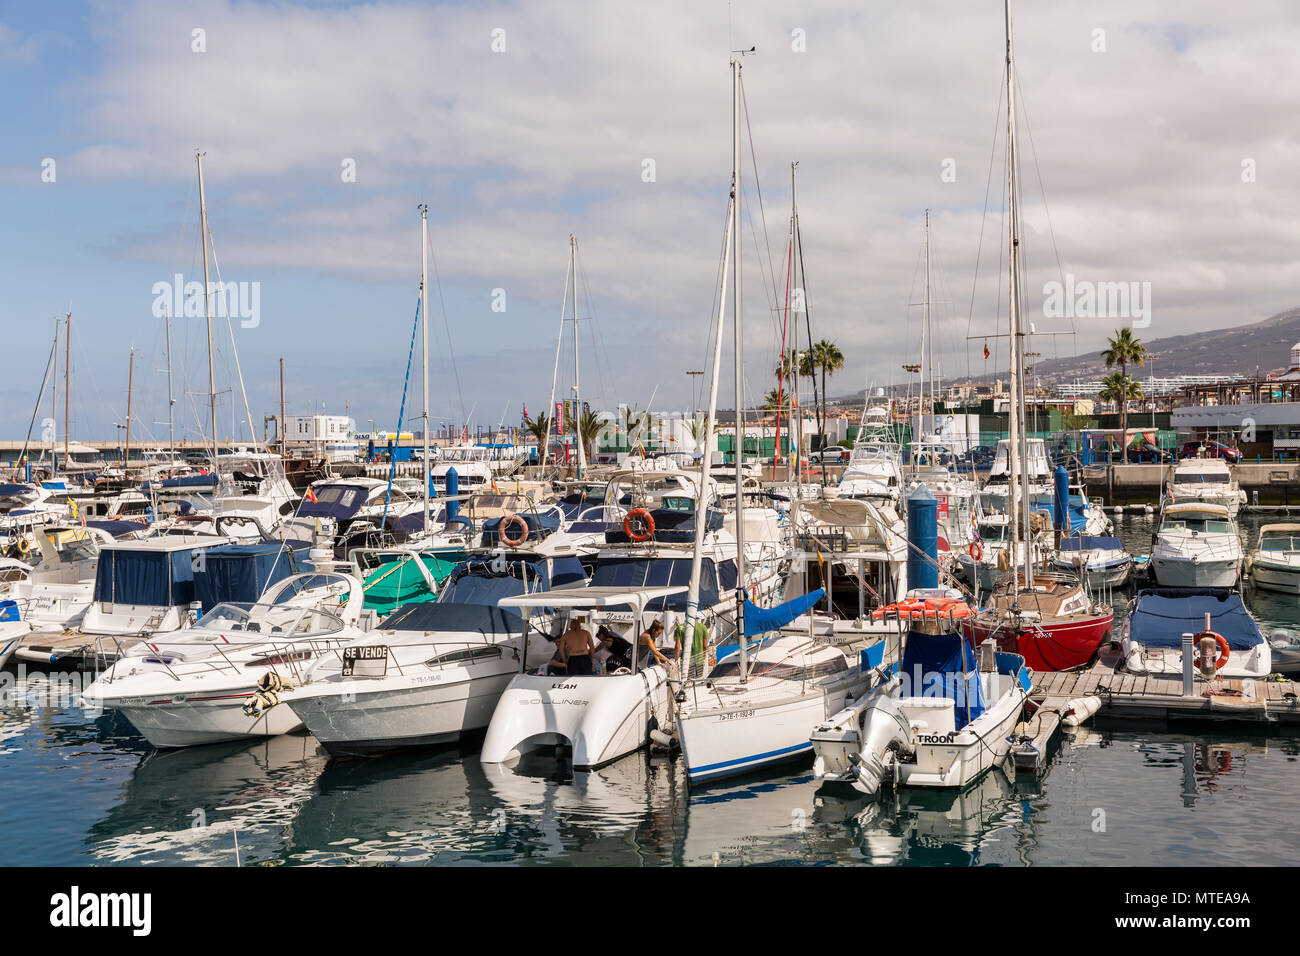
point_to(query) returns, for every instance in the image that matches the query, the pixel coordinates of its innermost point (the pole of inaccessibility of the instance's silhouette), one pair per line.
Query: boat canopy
(1162, 616)
(114, 527)
(593, 597)
(943, 665)
(1091, 543)
(13, 491)
(241, 572)
(339, 502)
(760, 620)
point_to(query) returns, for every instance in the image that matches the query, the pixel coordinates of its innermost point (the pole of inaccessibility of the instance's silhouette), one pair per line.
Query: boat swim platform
(1148, 697)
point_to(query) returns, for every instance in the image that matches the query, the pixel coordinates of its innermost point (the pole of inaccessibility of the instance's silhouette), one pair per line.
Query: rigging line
(401, 416)
(601, 363)
(40, 396)
(970, 318)
(451, 353)
(234, 349)
(753, 156)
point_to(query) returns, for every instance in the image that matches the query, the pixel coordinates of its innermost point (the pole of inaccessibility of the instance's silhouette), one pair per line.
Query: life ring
(1224, 651)
(976, 550)
(508, 522)
(644, 519)
(23, 547)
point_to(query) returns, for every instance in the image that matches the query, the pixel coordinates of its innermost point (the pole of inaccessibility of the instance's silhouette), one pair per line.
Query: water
(82, 791)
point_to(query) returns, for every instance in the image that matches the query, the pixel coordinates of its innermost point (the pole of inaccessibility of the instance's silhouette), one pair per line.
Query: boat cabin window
(468, 655)
(633, 573)
(783, 670)
(1197, 525)
(1280, 543)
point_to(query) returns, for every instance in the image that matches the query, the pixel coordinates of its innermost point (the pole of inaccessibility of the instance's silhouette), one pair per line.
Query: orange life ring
(645, 519)
(508, 522)
(1224, 651)
(976, 550)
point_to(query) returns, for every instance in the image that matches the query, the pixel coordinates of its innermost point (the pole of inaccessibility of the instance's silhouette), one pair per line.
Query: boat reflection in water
(195, 805)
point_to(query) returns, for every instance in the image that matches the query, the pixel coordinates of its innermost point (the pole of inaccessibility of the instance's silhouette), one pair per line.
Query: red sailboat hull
(1047, 645)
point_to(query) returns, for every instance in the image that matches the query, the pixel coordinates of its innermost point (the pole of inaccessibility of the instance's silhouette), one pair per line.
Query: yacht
(12, 630)
(432, 672)
(1203, 480)
(1050, 620)
(875, 467)
(959, 507)
(1196, 546)
(1275, 562)
(1153, 634)
(1101, 560)
(221, 678)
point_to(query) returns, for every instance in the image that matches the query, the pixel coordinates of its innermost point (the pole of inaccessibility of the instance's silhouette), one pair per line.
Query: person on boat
(616, 646)
(650, 644)
(576, 647)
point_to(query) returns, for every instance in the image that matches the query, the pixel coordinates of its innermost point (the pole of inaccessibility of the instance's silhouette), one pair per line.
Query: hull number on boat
(736, 715)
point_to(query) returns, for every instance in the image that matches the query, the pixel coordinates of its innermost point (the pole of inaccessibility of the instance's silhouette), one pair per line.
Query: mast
(130, 377)
(207, 308)
(701, 513)
(171, 402)
(1017, 495)
(925, 309)
(54, 390)
(279, 431)
(740, 372)
(577, 397)
(67, 395)
(424, 328)
(555, 373)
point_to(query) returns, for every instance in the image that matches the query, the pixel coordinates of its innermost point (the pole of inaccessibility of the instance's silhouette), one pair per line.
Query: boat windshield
(271, 620)
(1281, 542)
(781, 670)
(1196, 525)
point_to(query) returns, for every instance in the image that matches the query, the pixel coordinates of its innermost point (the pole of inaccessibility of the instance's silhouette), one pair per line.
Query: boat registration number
(736, 715)
(366, 660)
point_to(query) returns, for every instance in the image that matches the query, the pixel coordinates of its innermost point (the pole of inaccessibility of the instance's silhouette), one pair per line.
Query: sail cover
(760, 620)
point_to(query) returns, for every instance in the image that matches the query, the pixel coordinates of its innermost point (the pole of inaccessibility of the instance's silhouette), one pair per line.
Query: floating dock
(1148, 697)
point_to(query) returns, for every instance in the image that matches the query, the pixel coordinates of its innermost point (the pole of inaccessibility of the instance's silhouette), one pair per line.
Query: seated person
(575, 647)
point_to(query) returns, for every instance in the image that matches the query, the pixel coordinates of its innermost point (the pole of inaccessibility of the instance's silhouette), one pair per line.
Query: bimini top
(1197, 507)
(1090, 543)
(1161, 616)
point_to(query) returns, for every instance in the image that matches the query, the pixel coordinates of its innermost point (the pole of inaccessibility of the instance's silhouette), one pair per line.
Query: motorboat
(1205, 481)
(957, 495)
(12, 630)
(1103, 561)
(1275, 562)
(594, 719)
(875, 468)
(432, 672)
(1153, 633)
(154, 587)
(1196, 546)
(943, 719)
(221, 679)
(991, 555)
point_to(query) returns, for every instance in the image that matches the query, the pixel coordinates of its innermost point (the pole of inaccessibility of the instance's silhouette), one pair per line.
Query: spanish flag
(986, 351)
(310, 495)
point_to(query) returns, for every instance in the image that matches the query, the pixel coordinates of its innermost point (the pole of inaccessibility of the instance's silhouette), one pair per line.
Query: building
(1261, 414)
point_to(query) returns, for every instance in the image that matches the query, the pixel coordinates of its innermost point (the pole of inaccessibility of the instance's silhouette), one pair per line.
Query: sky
(1154, 138)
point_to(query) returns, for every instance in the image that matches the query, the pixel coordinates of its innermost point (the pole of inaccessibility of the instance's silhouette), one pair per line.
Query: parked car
(832, 456)
(1210, 449)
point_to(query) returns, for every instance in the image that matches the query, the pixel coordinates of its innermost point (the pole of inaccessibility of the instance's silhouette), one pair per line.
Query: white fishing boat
(1206, 481)
(1275, 562)
(221, 679)
(942, 720)
(875, 468)
(1103, 561)
(432, 672)
(1197, 546)
(1226, 638)
(596, 718)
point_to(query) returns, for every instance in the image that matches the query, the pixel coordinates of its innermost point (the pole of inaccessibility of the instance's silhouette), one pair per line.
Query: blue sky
(1140, 149)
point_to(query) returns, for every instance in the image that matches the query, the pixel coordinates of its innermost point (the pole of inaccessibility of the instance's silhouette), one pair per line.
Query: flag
(310, 495)
(986, 351)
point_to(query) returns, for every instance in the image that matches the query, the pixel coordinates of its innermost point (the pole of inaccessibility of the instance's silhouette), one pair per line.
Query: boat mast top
(207, 307)
(424, 328)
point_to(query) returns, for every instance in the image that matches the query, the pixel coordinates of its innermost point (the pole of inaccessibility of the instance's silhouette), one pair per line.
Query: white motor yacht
(1197, 546)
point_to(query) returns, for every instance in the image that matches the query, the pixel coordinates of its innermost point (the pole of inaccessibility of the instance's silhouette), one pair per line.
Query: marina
(861, 554)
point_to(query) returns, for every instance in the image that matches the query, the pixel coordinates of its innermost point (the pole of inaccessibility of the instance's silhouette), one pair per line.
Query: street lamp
(119, 426)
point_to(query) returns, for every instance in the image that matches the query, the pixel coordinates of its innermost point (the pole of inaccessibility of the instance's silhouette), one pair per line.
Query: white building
(330, 435)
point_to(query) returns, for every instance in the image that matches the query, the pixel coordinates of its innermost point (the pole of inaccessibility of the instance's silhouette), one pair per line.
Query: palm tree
(589, 426)
(826, 356)
(1124, 350)
(539, 428)
(772, 404)
(1121, 389)
(788, 364)
(699, 428)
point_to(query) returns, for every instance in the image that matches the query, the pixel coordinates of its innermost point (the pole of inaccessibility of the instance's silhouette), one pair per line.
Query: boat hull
(202, 717)
(1276, 578)
(1178, 572)
(1046, 646)
(400, 715)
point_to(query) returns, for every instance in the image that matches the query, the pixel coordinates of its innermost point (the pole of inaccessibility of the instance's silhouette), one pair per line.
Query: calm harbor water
(81, 791)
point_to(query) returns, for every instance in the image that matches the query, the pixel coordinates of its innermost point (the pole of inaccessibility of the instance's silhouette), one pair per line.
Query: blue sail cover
(1076, 505)
(241, 572)
(184, 481)
(1161, 616)
(760, 620)
(943, 665)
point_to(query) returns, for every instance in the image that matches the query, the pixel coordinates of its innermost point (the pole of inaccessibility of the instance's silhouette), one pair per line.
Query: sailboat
(1050, 620)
